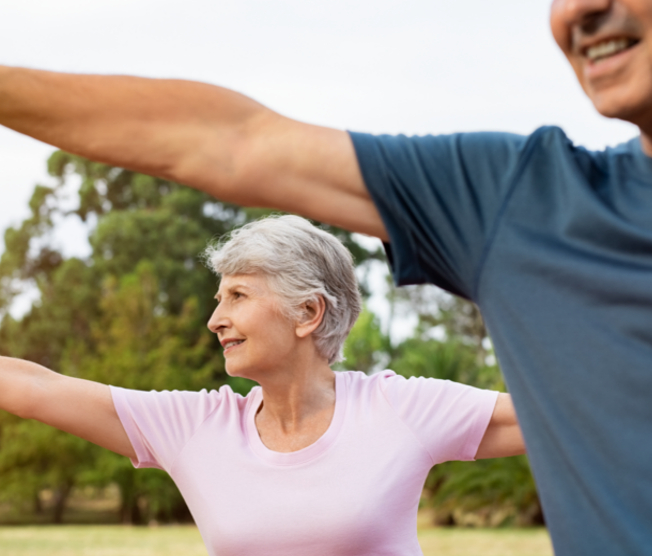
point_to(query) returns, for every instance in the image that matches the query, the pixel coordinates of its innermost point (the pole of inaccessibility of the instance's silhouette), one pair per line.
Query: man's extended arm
(204, 136)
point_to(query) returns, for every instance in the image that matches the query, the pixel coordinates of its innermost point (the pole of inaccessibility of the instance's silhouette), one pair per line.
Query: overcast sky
(396, 66)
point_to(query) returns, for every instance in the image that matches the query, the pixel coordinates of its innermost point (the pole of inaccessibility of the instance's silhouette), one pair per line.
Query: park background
(99, 275)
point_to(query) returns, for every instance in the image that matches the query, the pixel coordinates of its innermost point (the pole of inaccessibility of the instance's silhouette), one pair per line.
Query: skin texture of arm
(207, 137)
(73, 405)
(503, 436)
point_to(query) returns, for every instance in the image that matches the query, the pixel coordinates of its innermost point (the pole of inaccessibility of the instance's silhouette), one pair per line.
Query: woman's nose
(218, 321)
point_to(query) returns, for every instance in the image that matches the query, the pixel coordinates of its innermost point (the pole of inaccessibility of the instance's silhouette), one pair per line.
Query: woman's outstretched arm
(503, 436)
(73, 405)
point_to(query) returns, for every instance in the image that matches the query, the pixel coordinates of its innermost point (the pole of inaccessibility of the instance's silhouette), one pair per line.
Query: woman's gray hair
(302, 263)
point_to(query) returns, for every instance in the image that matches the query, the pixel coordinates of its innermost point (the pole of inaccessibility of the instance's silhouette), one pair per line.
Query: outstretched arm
(77, 406)
(207, 137)
(503, 436)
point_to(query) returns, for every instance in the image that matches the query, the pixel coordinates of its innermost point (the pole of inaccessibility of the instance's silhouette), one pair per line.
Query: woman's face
(256, 336)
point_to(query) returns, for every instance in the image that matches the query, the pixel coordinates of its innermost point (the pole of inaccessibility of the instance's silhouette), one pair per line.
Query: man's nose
(585, 13)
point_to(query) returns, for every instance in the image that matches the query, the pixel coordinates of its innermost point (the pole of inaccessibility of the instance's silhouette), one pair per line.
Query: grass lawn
(100, 540)
(485, 542)
(115, 540)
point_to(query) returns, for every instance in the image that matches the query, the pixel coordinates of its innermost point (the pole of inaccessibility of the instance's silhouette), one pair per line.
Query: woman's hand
(503, 436)
(73, 405)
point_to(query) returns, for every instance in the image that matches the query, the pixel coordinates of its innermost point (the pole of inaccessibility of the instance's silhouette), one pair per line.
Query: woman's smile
(229, 344)
(248, 311)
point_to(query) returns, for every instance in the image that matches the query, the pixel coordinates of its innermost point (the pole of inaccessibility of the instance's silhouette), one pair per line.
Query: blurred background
(99, 275)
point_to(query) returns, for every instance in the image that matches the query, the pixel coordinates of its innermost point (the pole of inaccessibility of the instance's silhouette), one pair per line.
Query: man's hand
(207, 137)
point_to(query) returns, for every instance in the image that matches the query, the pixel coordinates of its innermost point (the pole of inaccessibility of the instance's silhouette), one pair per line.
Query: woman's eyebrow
(231, 289)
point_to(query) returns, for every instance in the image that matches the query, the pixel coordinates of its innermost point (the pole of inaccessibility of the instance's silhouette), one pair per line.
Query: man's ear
(312, 314)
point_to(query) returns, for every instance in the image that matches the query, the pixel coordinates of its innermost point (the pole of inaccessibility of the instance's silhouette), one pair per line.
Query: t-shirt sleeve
(449, 419)
(439, 198)
(159, 424)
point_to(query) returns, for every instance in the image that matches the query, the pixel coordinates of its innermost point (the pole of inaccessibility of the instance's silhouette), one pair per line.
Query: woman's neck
(298, 406)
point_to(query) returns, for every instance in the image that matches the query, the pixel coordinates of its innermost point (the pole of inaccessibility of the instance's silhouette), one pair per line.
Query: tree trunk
(38, 505)
(538, 518)
(60, 497)
(130, 513)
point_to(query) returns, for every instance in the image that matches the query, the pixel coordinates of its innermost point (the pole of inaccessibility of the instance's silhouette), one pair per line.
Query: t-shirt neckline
(307, 454)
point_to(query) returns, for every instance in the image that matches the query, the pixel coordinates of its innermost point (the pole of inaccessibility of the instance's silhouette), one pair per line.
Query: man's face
(609, 45)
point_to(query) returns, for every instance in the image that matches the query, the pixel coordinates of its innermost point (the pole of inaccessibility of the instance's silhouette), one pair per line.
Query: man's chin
(611, 104)
(627, 100)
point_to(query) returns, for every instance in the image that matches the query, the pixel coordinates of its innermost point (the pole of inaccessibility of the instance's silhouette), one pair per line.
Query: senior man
(553, 242)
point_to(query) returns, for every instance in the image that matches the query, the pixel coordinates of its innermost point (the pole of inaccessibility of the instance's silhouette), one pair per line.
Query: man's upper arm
(280, 163)
(204, 136)
(440, 198)
(80, 407)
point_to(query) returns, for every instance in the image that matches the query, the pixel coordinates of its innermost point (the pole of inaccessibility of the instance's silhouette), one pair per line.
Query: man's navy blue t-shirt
(554, 243)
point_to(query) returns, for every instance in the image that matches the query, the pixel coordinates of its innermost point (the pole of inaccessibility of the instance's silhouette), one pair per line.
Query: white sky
(397, 66)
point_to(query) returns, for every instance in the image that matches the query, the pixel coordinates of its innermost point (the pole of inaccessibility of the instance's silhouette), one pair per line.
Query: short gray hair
(302, 263)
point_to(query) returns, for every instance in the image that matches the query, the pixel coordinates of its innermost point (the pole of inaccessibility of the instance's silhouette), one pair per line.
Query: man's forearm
(148, 125)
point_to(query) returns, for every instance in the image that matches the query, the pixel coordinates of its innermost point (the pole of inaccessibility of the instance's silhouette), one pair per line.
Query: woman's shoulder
(364, 380)
(398, 389)
(383, 379)
(188, 402)
(359, 384)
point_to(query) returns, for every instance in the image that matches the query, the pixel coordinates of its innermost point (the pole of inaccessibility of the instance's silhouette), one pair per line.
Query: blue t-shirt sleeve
(440, 198)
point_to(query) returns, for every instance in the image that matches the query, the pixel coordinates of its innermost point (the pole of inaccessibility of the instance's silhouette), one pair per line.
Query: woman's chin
(236, 372)
(233, 373)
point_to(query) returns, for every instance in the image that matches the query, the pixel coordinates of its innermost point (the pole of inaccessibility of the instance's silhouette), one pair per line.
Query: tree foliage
(133, 312)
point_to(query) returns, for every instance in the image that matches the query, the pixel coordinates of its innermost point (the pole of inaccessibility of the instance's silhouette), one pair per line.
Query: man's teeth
(607, 48)
(231, 344)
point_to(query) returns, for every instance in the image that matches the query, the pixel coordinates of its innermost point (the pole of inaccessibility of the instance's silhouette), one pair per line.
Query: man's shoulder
(555, 139)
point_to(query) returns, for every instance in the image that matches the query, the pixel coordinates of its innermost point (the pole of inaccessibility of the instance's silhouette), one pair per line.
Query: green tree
(34, 457)
(133, 314)
(366, 348)
(138, 345)
(490, 492)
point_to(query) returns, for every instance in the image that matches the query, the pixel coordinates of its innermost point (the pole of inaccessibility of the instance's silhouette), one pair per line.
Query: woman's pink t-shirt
(355, 491)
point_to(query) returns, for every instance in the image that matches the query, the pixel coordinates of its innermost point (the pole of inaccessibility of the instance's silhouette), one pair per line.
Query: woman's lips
(231, 345)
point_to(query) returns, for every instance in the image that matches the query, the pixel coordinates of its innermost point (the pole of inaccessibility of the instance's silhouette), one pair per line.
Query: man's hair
(301, 262)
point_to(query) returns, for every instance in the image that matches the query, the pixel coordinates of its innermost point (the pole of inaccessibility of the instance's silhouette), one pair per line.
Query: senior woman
(311, 463)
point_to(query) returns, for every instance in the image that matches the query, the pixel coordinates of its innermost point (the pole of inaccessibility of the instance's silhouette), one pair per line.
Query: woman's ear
(312, 313)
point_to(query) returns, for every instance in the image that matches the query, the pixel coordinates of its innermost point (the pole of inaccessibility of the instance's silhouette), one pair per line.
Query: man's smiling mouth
(607, 48)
